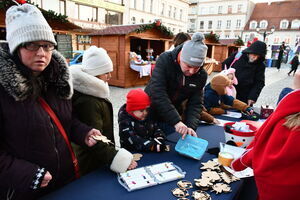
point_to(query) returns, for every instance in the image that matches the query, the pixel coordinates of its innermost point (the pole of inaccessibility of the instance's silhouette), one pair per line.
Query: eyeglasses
(31, 46)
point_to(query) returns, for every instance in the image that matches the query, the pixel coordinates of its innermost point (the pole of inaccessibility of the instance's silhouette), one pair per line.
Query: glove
(249, 110)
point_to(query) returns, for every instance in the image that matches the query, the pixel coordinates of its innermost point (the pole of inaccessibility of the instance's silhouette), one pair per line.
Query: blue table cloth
(103, 184)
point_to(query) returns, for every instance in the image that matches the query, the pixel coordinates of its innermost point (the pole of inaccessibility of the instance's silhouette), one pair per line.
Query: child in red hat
(138, 132)
(274, 152)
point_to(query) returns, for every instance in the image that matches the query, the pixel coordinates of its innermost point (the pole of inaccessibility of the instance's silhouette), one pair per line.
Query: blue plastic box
(192, 147)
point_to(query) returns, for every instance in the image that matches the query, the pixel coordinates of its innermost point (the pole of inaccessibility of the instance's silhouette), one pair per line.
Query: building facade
(225, 18)
(283, 17)
(172, 13)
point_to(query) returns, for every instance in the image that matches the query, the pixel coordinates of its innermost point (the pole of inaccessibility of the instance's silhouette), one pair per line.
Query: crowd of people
(51, 115)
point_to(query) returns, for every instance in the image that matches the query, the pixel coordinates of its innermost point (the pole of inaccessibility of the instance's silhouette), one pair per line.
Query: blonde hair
(293, 121)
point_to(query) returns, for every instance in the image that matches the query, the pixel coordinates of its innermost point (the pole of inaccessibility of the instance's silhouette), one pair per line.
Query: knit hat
(25, 23)
(194, 51)
(258, 48)
(137, 99)
(219, 83)
(96, 61)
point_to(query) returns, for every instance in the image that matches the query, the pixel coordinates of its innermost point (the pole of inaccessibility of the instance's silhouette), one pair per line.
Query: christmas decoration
(212, 37)
(157, 24)
(239, 42)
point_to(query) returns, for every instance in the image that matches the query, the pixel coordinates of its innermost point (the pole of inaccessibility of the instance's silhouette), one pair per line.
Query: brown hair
(293, 121)
(181, 38)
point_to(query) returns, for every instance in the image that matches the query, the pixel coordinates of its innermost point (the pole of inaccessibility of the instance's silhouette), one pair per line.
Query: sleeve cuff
(37, 180)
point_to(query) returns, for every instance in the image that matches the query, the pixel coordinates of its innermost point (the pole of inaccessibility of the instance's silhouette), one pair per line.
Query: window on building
(133, 20)
(210, 24)
(162, 12)
(226, 36)
(76, 13)
(253, 25)
(287, 40)
(276, 40)
(86, 13)
(263, 24)
(180, 14)
(114, 18)
(238, 23)
(219, 24)
(220, 8)
(239, 9)
(151, 6)
(174, 13)
(211, 10)
(142, 21)
(143, 4)
(201, 25)
(228, 24)
(62, 7)
(203, 11)
(170, 11)
(229, 9)
(284, 24)
(192, 23)
(295, 24)
(150, 21)
(133, 4)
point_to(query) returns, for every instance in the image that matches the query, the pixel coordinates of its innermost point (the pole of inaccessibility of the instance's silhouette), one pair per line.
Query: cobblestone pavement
(275, 82)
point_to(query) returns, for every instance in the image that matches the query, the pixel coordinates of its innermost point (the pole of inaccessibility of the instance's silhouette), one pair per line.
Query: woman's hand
(46, 180)
(89, 140)
(132, 165)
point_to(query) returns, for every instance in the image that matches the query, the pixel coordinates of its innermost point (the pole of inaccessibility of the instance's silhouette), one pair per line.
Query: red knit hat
(137, 99)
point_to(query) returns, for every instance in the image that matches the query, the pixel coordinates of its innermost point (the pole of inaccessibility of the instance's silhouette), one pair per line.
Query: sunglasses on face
(31, 46)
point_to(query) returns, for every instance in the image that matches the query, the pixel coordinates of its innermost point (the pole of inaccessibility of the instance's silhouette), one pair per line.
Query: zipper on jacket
(55, 149)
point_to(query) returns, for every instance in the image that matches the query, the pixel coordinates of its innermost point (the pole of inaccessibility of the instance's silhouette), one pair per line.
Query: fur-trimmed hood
(20, 87)
(88, 84)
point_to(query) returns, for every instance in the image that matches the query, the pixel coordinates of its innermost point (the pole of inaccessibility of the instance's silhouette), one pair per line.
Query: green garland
(162, 28)
(239, 41)
(49, 15)
(212, 37)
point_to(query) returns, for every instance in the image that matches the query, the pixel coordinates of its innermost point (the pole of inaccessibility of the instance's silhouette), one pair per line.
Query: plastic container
(192, 147)
(242, 139)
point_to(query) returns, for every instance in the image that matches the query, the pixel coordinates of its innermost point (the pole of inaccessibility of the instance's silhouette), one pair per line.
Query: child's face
(141, 114)
(230, 76)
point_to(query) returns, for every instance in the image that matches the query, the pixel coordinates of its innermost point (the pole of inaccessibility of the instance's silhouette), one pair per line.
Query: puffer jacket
(30, 143)
(138, 135)
(174, 95)
(251, 76)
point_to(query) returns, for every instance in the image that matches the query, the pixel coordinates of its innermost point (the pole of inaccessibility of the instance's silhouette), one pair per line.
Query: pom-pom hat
(26, 23)
(194, 51)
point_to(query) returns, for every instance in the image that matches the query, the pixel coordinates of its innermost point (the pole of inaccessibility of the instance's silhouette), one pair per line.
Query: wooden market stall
(220, 51)
(120, 41)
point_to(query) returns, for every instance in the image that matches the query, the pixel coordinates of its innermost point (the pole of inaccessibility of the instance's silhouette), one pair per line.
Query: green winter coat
(91, 106)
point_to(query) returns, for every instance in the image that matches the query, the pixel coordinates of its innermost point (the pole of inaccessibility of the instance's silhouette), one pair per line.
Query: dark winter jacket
(169, 89)
(251, 76)
(138, 135)
(30, 142)
(213, 99)
(295, 62)
(92, 107)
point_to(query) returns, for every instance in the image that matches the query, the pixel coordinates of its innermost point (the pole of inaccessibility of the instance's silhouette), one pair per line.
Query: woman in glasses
(35, 155)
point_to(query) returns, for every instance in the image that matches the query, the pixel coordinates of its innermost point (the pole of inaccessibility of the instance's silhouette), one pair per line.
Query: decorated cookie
(201, 195)
(211, 175)
(184, 184)
(210, 165)
(221, 187)
(178, 192)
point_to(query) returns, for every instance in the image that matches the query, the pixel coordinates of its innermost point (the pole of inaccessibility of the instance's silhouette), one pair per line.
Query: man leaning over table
(176, 87)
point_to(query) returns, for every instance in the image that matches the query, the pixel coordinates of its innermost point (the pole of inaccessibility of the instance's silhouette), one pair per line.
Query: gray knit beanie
(194, 51)
(26, 23)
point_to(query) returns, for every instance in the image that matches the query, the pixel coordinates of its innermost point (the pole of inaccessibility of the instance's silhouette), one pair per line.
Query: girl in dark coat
(250, 72)
(92, 107)
(34, 157)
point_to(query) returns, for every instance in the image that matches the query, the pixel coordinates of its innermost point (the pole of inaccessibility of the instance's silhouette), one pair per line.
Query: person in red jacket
(274, 153)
